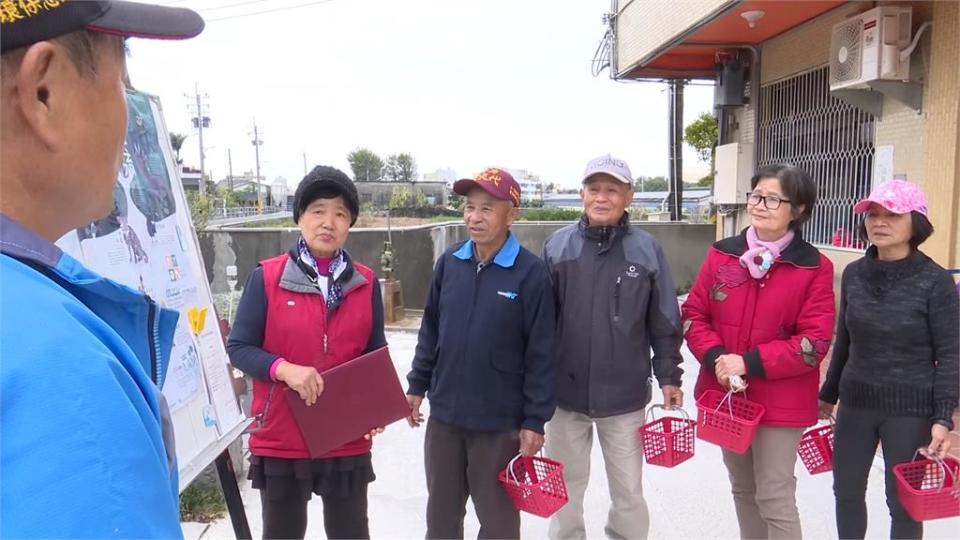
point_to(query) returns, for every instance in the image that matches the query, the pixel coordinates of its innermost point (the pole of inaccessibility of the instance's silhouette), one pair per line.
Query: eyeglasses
(770, 202)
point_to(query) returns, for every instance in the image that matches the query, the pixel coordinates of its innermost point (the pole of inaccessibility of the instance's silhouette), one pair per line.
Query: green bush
(202, 504)
(549, 214)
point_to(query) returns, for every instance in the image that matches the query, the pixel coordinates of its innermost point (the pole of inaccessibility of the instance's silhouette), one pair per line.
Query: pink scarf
(760, 255)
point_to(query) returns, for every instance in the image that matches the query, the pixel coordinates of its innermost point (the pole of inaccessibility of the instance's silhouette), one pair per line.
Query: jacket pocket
(506, 363)
(507, 380)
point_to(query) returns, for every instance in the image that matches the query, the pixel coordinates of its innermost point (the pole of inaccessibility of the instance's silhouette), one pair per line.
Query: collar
(604, 235)
(344, 268)
(335, 262)
(892, 269)
(799, 253)
(22, 243)
(504, 258)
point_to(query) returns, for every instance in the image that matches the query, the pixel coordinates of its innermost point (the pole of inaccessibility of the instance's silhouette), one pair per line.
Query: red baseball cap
(497, 182)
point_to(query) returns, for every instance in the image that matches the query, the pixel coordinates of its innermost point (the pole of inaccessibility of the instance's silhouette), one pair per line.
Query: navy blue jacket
(485, 356)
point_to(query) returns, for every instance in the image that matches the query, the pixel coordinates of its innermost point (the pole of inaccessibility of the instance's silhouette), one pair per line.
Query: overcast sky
(457, 84)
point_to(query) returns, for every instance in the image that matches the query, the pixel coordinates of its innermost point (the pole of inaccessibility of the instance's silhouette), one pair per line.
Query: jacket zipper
(153, 338)
(616, 300)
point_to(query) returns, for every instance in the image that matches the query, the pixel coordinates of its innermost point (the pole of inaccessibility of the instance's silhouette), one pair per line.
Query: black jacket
(485, 355)
(616, 300)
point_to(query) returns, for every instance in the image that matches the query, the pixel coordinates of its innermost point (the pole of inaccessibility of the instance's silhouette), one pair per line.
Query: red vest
(297, 328)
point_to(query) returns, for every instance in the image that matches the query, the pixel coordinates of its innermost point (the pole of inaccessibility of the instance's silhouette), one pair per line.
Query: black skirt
(338, 477)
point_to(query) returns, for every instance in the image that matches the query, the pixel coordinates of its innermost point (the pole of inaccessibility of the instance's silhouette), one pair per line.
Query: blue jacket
(82, 452)
(485, 356)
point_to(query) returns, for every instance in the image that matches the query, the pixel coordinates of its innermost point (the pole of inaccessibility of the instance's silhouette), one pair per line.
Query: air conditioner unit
(733, 165)
(867, 48)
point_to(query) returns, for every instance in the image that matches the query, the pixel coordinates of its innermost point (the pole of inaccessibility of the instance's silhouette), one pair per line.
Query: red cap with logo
(497, 182)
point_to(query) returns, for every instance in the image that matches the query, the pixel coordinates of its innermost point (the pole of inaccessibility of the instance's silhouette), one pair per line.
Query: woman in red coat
(302, 313)
(762, 309)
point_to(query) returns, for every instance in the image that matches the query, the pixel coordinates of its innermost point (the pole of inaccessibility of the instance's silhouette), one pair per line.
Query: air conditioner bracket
(871, 100)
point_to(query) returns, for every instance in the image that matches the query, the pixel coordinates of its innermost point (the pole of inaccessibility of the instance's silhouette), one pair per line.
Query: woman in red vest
(762, 309)
(304, 312)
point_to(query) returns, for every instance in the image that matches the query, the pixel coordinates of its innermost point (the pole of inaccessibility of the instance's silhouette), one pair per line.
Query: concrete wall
(417, 248)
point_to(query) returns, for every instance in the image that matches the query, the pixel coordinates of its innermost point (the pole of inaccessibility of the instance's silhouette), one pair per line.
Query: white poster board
(148, 243)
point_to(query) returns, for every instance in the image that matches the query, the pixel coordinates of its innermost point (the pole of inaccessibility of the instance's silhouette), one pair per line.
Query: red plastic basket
(727, 420)
(535, 484)
(816, 449)
(668, 441)
(928, 488)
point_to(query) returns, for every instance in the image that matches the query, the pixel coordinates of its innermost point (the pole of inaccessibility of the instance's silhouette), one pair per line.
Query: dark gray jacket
(615, 300)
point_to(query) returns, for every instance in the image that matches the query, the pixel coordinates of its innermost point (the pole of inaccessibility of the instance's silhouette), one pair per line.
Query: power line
(286, 8)
(228, 6)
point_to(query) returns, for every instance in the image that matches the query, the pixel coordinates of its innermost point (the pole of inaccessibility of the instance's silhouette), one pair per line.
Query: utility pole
(675, 196)
(257, 143)
(304, 163)
(200, 120)
(229, 169)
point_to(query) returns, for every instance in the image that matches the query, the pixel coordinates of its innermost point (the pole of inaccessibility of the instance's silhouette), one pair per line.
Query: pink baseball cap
(897, 196)
(497, 182)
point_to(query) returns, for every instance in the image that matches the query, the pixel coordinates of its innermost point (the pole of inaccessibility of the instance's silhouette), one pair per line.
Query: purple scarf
(760, 255)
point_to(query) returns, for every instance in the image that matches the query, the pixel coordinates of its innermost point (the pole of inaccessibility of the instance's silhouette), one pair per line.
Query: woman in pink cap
(895, 359)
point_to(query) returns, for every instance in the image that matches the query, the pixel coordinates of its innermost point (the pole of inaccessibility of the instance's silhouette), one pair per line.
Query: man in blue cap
(85, 453)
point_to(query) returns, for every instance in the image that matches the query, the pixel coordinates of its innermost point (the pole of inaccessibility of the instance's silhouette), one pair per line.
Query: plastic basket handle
(664, 408)
(943, 466)
(512, 476)
(729, 399)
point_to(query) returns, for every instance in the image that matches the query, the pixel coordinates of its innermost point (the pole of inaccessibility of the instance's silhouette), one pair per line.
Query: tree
(419, 198)
(702, 136)
(651, 183)
(404, 197)
(400, 197)
(176, 141)
(400, 168)
(366, 165)
(231, 198)
(201, 209)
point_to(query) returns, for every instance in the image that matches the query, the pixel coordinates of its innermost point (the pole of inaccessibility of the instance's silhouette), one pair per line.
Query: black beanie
(325, 182)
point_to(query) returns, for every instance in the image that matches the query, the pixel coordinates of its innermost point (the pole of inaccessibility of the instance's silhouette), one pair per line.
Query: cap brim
(614, 175)
(464, 185)
(131, 19)
(862, 206)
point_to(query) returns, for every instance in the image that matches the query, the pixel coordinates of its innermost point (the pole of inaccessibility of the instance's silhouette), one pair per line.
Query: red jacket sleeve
(697, 320)
(803, 351)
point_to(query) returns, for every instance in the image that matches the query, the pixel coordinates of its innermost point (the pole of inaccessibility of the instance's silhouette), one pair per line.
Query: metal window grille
(803, 125)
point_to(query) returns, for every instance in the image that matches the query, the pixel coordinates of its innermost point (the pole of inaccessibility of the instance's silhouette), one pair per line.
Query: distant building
(245, 186)
(531, 188)
(379, 193)
(190, 178)
(279, 191)
(447, 176)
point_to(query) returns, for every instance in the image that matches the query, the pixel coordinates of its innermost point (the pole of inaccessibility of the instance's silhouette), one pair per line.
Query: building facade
(847, 140)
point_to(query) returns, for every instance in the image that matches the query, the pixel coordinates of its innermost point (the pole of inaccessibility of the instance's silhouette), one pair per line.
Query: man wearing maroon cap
(86, 452)
(485, 360)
